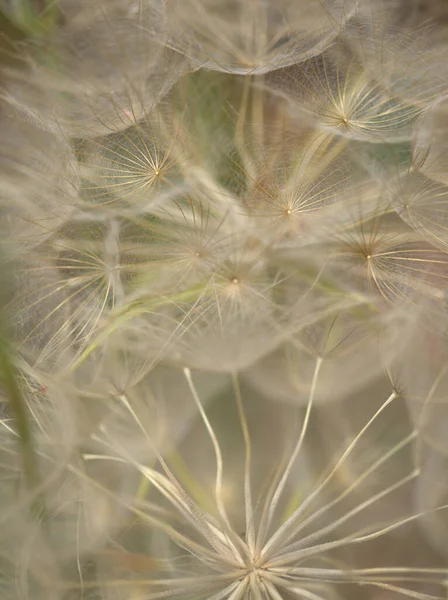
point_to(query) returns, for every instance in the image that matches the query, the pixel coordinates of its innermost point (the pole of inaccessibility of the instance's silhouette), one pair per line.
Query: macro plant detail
(224, 306)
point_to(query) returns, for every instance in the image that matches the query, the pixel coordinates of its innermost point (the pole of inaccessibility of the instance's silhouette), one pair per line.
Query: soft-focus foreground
(224, 300)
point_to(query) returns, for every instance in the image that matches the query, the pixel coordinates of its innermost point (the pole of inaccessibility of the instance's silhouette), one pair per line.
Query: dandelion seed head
(248, 515)
(223, 349)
